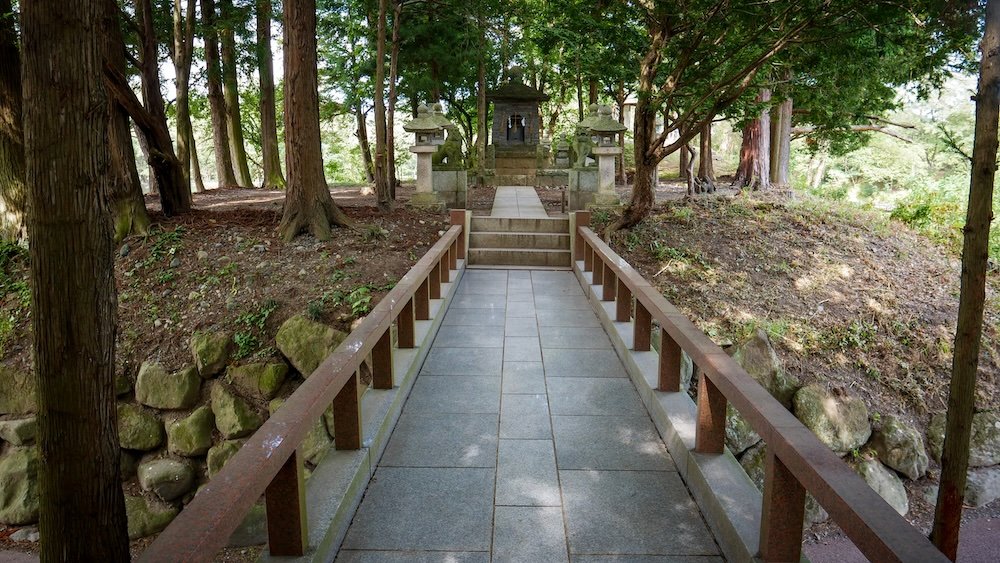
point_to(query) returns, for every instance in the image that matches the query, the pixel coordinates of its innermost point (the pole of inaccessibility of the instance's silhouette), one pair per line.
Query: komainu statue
(449, 156)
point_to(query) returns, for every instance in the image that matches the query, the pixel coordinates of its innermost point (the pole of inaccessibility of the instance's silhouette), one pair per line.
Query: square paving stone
(525, 417)
(632, 512)
(521, 326)
(571, 317)
(472, 301)
(482, 287)
(562, 362)
(594, 397)
(356, 556)
(561, 302)
(442, 440)
(396, 508)
(522, 533)
(485, 276)
(521, 349)
(645, 559)
(526, 474)
(523, 377)
(474, 317)
(609, 442)
(463, 361)
(574, 337)
(519, 294)
(469, 337)
(455, 394)
(520, 309)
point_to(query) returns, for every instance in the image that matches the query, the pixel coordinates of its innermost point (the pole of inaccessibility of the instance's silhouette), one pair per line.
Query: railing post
(347, 415)
(404, 326)
(670, 363)
(710, 434)
(382, 376)
(623, 312)
(598, 278)
(458, 218)
(642, 329)
(582, 220)
(285, 499)
(610, 284)
(422, 301)
(588, 256)
(782, 512)
(435, 281)
(445, 266)
(453, 254)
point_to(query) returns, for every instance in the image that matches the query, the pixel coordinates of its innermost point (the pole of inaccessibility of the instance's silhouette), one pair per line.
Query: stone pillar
(425, 196)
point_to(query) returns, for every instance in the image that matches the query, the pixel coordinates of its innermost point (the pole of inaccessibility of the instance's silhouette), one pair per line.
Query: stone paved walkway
(523, 440)
(517, 201)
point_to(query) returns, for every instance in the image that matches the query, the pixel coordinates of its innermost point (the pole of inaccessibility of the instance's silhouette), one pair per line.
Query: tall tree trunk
(13, 195)
(199, 181)
(683, 164)
(128, 207)
(579, 91)
(592, 92)
(705, 182)
(216, 100)
(382, 194)
(182, 56)
(754, 170)
(390, 126)
(73, 302)
(273, 180)
(481, 108)
(620, 159)
(366, 149)
(975, 257)
(308, 205)
(231, 94)
(689, 169)
(781, 142)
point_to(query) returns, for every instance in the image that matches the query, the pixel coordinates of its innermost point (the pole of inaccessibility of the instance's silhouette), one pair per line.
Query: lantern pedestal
(425, 198)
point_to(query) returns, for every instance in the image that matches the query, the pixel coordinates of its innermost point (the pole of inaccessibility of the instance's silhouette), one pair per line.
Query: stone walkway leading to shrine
(517, 201)
(524, 440)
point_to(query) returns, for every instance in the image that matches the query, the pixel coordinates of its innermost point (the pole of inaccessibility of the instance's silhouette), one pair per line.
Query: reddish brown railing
(268, 463)
(796, 460)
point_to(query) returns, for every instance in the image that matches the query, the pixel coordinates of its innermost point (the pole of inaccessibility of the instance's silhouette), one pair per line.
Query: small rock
(211, 352)
(175, 263)
(220, 453)
(306, 343)
(984, 446)
(169, 479)
(838, 419)
(193, 295)
(26, 535)
(138, 429)
(146, 518)
(259, 248)
(191, 436)
(19, 486)
(155, 387)
(982, 487)
(123, 384)
(422, 222)
(225, 259)
(157, 323)
(300, 248)
(302, 272)
(18, 432)
(261, 381)
(234, 417)
(900, 447)
(202, 255)
(124, 251)
(884, 482)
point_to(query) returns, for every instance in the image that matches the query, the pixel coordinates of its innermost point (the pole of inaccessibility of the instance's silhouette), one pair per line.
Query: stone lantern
(606, 130)
(429, 134)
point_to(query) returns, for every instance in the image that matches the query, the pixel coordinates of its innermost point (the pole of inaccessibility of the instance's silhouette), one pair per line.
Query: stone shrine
(513, 153)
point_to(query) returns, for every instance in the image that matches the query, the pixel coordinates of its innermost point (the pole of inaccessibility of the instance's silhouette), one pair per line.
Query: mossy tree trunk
(231, 95)
(308, 205)
(273, 178)
(390, 119)
(68, 164)
(13, 196)
(183, 50)
(382, 193)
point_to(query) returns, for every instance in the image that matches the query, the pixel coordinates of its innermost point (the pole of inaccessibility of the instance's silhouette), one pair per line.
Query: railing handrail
(874, 526)
(206, 523)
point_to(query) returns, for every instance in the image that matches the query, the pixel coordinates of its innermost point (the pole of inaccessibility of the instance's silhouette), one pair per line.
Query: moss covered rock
(838, 419)
(221, 453)
(17, 391)
(306, 343)
(899, 446)
(753, 461)
(739, 434)
(157, 388)
(169, 479)
(234, 417)
(884, 482)
(19, 432)
(19, 487)
(138, 429)
(192, 435)
(258, 380)
(984, 446)
(211, 352)
(759, 359)
(316, 443)
(146, 518)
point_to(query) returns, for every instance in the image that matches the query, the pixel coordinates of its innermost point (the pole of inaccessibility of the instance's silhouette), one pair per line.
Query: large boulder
(220, 453)
(984, 447)
(234, 417)
(19, 432)
(191, 436)
(316, 443)
(899, 446)
(261, 381)
(982, 487)
(306, 343)
(753, 462)
(146, 518)
(739, 434)
(157, 388)
(759, 359)
(838, 419)
(17, 391)
(19, 487)
(138, 429)
(169, 479)
(884, 482)
(211, 352)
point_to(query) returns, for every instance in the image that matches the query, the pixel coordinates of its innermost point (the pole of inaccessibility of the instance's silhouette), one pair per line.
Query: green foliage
(374, 233)
(360, 300)
(246, 344)
(248, 339)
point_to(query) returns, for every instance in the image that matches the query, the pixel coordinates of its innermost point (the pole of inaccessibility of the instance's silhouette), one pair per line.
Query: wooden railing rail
(269, 463)
(796, 460)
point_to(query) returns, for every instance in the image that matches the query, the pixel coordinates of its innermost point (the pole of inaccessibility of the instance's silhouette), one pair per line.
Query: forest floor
(848, 298)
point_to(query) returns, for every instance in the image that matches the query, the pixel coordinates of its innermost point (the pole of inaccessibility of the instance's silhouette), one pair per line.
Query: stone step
(518, 257)
(515, 171)
(519, 225)
(510, 180)
(538, 241)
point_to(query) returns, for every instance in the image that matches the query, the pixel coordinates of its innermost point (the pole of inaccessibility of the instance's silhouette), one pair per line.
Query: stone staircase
(529, 242)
